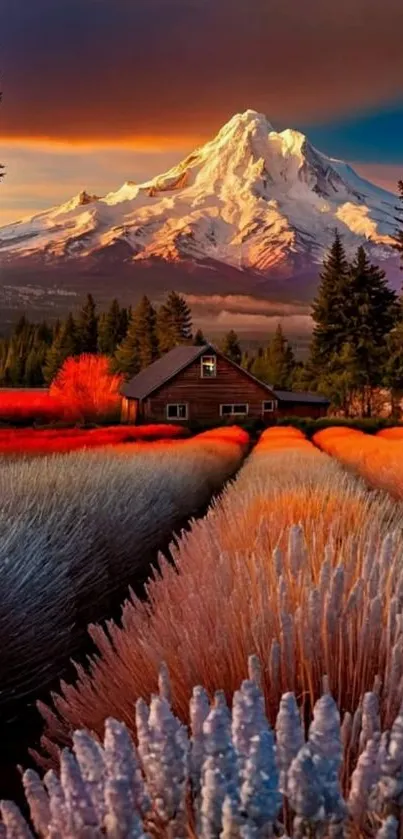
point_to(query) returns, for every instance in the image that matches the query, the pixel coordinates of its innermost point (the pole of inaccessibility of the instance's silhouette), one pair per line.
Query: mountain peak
(251, 197)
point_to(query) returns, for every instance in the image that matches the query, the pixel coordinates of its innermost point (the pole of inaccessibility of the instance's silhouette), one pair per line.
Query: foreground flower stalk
(230, 776)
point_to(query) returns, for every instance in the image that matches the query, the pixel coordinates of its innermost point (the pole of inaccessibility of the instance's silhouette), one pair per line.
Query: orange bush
(282, 431)
(283, 437)
(87, 388)
(378, 460)
(395, 433)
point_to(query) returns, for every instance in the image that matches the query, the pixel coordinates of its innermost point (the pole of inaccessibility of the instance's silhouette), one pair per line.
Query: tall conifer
(87, 327)
(280, 360)
(328, 307)
(174, 322)
(65, 345)
(110, 329)
(230, 347)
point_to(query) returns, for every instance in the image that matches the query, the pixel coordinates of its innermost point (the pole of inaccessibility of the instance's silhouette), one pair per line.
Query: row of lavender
(229, 776)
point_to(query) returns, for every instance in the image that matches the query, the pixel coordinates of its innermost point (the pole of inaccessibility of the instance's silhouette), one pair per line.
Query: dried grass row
(77, 529)
(297, 562)
(377, 459)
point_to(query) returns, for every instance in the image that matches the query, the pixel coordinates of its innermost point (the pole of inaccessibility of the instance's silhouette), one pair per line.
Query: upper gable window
(208, 366)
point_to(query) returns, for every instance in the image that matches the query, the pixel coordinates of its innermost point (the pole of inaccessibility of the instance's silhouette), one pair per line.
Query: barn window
(177, 412)
(268, 406)
(236, 410)
(208, 366)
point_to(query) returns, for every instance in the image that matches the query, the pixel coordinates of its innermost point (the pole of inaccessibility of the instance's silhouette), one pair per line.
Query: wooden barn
(203, 385)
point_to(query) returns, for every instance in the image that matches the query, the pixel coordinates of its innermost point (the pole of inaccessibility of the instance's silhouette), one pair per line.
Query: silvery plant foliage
(229, 776)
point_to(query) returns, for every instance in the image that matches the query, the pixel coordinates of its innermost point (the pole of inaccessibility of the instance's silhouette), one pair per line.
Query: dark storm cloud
(120, 68)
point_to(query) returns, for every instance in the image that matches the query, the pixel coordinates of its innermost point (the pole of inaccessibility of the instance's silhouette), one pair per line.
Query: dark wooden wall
(205, 395)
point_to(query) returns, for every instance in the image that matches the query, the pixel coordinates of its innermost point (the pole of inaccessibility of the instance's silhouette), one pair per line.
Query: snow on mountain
(252, 198)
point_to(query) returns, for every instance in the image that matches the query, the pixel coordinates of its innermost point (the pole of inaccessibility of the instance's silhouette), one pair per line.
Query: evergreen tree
(144, 326)
(65, 345)
(21, 326)
(56, 330)
(43, 334)
(231, 348)
(139, 348)
(87, 327)
(166, 333)
(199, 339)
(15, 365)
(338, 380)
(126, 359)
(280, 361)
(246, 360)
(110, 332)
(125, 317)
(33, 373)
(399, 235)
(174, 322)
(328, 308)
(370, 313)
(259, 366)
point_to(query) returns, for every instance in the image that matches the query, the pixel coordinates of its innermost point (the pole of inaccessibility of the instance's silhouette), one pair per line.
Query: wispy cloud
(248, 315)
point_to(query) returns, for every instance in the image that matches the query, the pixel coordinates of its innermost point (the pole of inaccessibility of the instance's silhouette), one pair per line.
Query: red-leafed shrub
(87, 388)
(26, 407)
(50, 441)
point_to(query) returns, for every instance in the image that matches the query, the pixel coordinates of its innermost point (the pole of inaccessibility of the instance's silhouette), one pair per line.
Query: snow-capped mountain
(251, 198)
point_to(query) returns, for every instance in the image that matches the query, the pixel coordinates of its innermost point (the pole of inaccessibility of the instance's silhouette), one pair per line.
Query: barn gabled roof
(162, 370)
(177, 359)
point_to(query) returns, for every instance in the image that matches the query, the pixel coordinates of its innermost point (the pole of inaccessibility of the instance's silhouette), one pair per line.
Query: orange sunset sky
(96, 92)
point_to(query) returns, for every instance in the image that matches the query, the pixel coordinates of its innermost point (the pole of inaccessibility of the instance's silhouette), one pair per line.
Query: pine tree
(126, 359)
(198, 339)
(174, 322)
(33, 373)
(144, 326)
(65, 345)
(231, 348)
(328, 307)
(166, 333)
(124, 320)
(338, 380)
(370, 310)
(15, 365)
(259, 366)
(280, 361)
(21, 326)
(399, 235)
(110, 329)
(246, 360)
(87, 327)
(43, 334)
